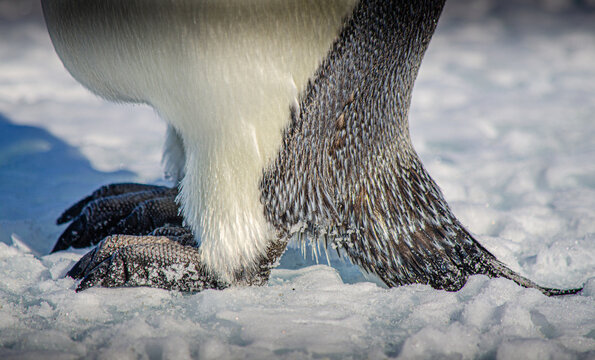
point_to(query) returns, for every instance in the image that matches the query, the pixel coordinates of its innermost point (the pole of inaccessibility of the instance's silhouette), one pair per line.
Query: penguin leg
(127, 208)
(157, 261)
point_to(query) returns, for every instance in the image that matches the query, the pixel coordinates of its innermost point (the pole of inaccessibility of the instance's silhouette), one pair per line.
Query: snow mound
(305, 313)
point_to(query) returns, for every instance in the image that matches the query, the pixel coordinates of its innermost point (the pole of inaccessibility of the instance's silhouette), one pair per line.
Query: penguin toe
(154, 261)
(134, 209)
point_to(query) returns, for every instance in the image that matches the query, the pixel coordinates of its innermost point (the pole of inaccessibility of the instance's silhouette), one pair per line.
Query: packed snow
(503, 117)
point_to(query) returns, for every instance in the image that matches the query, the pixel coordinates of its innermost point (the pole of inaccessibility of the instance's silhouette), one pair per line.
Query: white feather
(174, 155)
(223, 74)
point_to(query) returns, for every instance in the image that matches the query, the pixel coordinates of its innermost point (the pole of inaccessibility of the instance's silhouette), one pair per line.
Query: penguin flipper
(441, 256)
(455, 249)
(126, 208)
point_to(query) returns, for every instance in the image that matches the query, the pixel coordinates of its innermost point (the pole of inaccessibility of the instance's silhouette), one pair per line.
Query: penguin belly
(224, 75)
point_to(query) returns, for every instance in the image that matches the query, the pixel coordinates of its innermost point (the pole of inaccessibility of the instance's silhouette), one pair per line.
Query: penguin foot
(127, 208)
(167, 262)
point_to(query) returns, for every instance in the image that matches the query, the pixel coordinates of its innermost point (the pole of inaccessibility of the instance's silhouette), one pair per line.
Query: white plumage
(225, 86)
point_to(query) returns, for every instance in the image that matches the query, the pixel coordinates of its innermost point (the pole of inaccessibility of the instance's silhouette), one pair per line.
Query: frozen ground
(504, 118)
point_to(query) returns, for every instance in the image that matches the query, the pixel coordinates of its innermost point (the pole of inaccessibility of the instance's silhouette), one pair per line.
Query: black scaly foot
(141, 242)
(126, 208)
(155, 261)
(167, 259)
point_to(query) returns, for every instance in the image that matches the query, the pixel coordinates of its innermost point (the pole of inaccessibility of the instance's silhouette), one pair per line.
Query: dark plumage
(348, 175)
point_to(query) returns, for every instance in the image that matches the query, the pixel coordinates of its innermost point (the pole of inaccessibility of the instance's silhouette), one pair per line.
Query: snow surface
(504, 118)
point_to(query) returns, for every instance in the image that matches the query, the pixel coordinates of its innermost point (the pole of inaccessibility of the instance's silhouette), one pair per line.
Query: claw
(74, 235)
(74, 210)
(79, 269)
(109, 273)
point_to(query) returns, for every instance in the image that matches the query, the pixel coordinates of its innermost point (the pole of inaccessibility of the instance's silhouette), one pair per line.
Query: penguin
(286, 121)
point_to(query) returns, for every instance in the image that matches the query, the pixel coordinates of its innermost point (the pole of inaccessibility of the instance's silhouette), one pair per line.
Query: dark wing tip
(560, 292)
(503, 271)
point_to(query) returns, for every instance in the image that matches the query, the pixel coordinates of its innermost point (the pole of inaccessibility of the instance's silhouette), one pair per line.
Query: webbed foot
(127, 208)
(167, 262)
